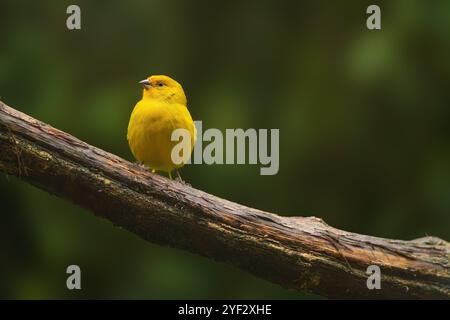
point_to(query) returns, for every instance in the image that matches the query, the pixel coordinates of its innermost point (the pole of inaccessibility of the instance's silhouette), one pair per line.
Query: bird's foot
(143, 166)
(182, 181)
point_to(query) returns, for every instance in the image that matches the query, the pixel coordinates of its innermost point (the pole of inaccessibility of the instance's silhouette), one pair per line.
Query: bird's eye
(160, 84)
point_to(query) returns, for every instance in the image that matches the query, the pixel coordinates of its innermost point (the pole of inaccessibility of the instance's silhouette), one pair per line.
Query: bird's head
(163, 88)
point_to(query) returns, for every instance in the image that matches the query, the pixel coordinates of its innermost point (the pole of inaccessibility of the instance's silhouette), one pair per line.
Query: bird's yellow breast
(150, 128)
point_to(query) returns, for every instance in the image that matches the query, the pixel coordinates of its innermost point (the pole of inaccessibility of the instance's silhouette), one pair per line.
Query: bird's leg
(179, 176)
(180, 179)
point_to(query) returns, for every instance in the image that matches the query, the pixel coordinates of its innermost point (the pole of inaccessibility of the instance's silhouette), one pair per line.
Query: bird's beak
(145, 83)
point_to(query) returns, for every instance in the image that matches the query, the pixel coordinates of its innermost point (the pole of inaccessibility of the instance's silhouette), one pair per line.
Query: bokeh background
(363, 118)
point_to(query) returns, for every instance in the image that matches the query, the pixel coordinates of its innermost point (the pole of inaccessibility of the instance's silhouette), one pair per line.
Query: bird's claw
(182, 181)
(143, 166)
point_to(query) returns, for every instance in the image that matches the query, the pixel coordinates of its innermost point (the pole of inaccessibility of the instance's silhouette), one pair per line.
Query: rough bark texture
(301, 253)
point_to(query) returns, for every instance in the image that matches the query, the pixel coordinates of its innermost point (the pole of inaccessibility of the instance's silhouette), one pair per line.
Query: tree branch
(301, 253)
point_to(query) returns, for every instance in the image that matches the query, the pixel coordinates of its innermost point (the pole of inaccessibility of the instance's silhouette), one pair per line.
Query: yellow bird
(162, 109)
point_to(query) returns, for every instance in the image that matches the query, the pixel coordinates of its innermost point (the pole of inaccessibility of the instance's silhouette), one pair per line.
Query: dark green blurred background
(363, 118)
